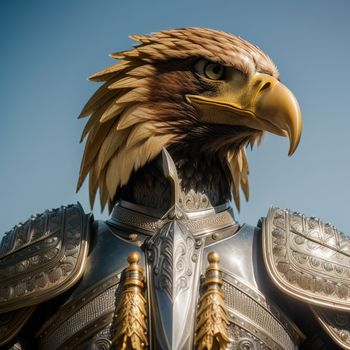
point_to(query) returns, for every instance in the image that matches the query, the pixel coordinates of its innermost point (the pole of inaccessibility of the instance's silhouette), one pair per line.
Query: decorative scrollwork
(308, 258)
(172, 258)
(101, 344)
(336, 324)
(245, 344)
(43, 257)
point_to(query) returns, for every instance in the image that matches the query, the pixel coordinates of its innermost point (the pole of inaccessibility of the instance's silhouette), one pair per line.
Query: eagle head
(203, 94)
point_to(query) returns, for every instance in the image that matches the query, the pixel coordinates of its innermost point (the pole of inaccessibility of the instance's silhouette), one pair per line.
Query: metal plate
(307, 259)
(43, 257)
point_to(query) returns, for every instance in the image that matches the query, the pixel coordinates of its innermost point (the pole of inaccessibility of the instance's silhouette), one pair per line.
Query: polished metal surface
(193, 209)
(91, 307)
(238, 253)
(173, 270)
(43, 257)
(127, 216)
(173, 256)
(108, 255)
(249, 310)
(307, 259)
(255, 321)
(82, 317)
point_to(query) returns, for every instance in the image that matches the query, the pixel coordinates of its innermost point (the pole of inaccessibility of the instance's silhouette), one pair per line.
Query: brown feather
(112, 112)
(132, 115)
(140, 107)
(123, 66)
(95, 117)
(114, 140)
(92, 146)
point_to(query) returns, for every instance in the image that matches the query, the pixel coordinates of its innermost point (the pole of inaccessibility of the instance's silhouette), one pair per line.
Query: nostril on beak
(265, 86)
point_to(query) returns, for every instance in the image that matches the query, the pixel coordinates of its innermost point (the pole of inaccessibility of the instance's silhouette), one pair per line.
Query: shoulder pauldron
(307, 259)
(43, 257)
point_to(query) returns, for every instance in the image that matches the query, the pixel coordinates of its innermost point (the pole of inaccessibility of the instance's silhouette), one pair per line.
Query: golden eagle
(203, 94)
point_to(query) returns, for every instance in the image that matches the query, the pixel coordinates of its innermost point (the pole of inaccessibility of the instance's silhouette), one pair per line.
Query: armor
(190, 278)
(171, 269)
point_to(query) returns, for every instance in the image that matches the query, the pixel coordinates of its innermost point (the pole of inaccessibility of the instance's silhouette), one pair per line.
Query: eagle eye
(210, 70)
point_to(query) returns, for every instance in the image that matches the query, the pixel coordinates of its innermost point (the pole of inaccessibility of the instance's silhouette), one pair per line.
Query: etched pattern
(101, 305)
(194, 201)
(336, 324)
(45, 255)
(309, 258)
(251, 311)
(33, 230)
(172, 258)
(82, 318)
(244, 340)
(100, 341)
(196, 226)
(134, 219)
(210, 222)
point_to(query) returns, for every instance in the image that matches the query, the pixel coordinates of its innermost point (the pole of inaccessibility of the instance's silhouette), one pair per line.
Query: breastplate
(173, 252)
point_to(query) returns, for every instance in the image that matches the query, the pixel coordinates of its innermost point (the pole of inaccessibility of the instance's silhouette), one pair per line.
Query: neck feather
(204, 183)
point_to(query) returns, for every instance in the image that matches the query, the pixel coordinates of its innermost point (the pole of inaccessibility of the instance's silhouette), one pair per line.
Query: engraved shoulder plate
(307, 259)
(43, 257)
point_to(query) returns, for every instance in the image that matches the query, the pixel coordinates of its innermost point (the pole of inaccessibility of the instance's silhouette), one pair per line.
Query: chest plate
(174, 258)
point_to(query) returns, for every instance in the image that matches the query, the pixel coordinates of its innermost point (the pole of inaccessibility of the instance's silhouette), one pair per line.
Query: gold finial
(131, 315)
(134, 258)
(212, 317)
(213, 257)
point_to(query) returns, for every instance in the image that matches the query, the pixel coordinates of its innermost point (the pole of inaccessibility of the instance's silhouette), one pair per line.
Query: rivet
(133, 237)
(198, 243)
(171, 214)
(215, 236)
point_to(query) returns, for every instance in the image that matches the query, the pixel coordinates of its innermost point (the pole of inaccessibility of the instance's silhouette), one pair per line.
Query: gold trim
(212, 317)
(131, 315)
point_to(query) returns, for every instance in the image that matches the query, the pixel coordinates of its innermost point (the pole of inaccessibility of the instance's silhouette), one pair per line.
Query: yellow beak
(262, 103)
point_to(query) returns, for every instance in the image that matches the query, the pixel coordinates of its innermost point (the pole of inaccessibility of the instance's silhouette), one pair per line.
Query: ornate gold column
(212, 317)
(131, 315)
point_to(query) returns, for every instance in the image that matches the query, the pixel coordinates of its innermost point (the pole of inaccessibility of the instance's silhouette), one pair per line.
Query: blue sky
(48, 48)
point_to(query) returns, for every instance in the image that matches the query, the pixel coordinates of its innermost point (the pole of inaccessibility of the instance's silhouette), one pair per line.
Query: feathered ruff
(120, 137)
(122, 131)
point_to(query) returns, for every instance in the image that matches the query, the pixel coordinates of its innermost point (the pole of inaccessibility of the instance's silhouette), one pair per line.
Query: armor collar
(192, 209)
(213, 221)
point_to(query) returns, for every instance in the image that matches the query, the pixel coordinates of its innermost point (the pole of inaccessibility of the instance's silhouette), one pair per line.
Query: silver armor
(143, 279)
